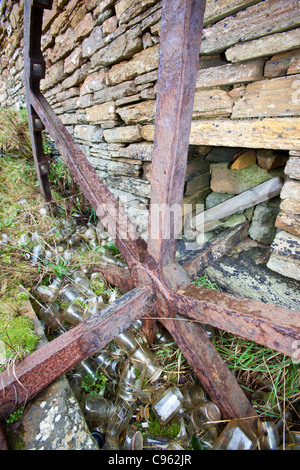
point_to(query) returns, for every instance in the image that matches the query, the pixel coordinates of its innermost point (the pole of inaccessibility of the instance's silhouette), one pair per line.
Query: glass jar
(268, 434)
(96, 409)
(167, 405)
(130, 383)
(51, 317)
(237, 435)
(143, 357)
(73, 313)
(205, 415)
(106, 362)
(131, 439)
(193, 395)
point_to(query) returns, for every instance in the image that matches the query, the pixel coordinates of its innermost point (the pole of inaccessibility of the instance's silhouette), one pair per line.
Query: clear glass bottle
(130, 383)
(206, 415)
(96, 409)
(98, 283)
(82, 284)
(166, 407)
(69, 293)
(142, 357)
(193, 395)
(108, 363)
(73, 313)
(268, 434)
(51, 317)
(87, 367)
(237, 435)
(75, 381)
(127, 342)
(38, 254)
(131, 439)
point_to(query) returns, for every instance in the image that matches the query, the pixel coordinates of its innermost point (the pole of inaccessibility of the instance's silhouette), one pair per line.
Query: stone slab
(270, 15)
(265, 46)
(225, 180)
(244, 273)
(230, 74)
(268, 98)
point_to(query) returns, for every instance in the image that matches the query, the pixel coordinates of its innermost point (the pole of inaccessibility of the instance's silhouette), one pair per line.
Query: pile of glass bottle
(136, 390)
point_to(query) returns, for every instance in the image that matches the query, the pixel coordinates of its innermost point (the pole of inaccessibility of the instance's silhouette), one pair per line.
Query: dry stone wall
(102, 60)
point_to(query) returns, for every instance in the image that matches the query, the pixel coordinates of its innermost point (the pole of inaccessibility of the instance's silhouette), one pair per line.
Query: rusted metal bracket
(157, 287)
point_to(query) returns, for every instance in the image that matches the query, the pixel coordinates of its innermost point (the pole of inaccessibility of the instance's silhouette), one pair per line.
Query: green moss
(97, 286)
(171, 430)
(18, 335)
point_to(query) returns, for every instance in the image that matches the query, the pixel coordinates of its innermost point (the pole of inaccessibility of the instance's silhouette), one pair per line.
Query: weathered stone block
(88, 133)
(77, 77)
(270, 159)
(73, 61)
(230, 74)
(291, 190)
(93, 43)
(271, 15)
(141, 151)
(109, 25)
(209, 103)
(114, 92)
(102, 112)
(291, 206)
(123, 134)
(262, 228)
(244, 160)
(275, 97)
(265, 46)
(292, 168)
(94, 82)
(142, 62)
(84, 27)
(289, 223)
(225, 180)
(139, 113)
(64, 44)
(123, 47)
(269, 133)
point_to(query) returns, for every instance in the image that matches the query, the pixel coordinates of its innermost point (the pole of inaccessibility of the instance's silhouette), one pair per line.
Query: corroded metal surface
(157, 285)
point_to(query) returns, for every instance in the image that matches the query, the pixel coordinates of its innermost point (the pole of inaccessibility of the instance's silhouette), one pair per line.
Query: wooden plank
(268, 98)
(265, 46)
(266, 17)
(249, 198)
(195, 261)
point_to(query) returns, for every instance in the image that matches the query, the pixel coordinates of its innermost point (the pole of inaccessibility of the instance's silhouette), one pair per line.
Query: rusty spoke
(178, 65)
(107, 208)
(37, 371)
(209, 367)
(275, 327)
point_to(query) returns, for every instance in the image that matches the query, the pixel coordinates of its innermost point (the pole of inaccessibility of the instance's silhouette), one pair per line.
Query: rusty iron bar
(152, 285)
